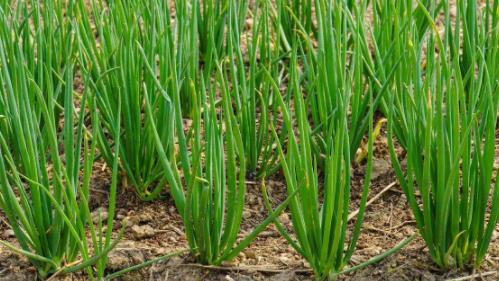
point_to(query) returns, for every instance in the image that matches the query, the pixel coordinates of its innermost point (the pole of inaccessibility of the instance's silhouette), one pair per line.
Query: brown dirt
(155, 229)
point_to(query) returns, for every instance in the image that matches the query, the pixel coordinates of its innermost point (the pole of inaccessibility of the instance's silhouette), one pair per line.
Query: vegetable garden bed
(249, 140)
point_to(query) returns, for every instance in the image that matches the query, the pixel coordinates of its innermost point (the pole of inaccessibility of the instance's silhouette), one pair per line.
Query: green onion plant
(216, 190)
(213, 20)
(394, 22)
(118, 75)
(330, 107)
(208, 183)
(254, 80)
(45, 173)
(339, 46)
(446, 112)
(28, 24)
(319, 212)
(286, 23)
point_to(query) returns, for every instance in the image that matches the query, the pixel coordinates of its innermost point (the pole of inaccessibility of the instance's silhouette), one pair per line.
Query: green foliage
(199, 95)
(446, 113)
(254, 77)
(119, 80)
(321, 230)
(336, 64)
(23, 32)
(45, 173)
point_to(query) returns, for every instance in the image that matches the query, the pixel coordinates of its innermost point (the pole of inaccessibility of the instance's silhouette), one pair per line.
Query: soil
(155, 229)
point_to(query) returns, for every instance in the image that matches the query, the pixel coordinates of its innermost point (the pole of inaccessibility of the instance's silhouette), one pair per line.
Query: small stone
(120, 259)
(284, 218)
(285, 260)
(252, 199)
(250, 254)
(175, 261)
(231, 263)
(380, 167)
(246, 214)
(495, 235)
(9, 233)
(99, 213)
(117, 260)
(136, 256)
(259, 259)
(145, 217)
(142, 231)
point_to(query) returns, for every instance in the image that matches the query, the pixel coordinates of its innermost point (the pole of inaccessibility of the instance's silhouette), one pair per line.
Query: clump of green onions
(254, 86)
(118, 72)
(213, 19)
(48, 210)
(45, 170)
(338, 46)
(208, 185)
(29, 20)
(394, 23)
(446, 113)
(286, 23)
(216, 190)
(328, 96)
(321, 230)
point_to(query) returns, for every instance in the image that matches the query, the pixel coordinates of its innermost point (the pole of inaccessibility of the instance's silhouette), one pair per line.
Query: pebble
(284, 260)
(117, 261)
(495, 235)
(145, 217)
(252, 199)
(284, 218)
(373, 251)
(175, 261)
(142, 231)
(250, 254)
(122, 259)
(9, 233)
(231, 263)
(99, 213)
(246, 214)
